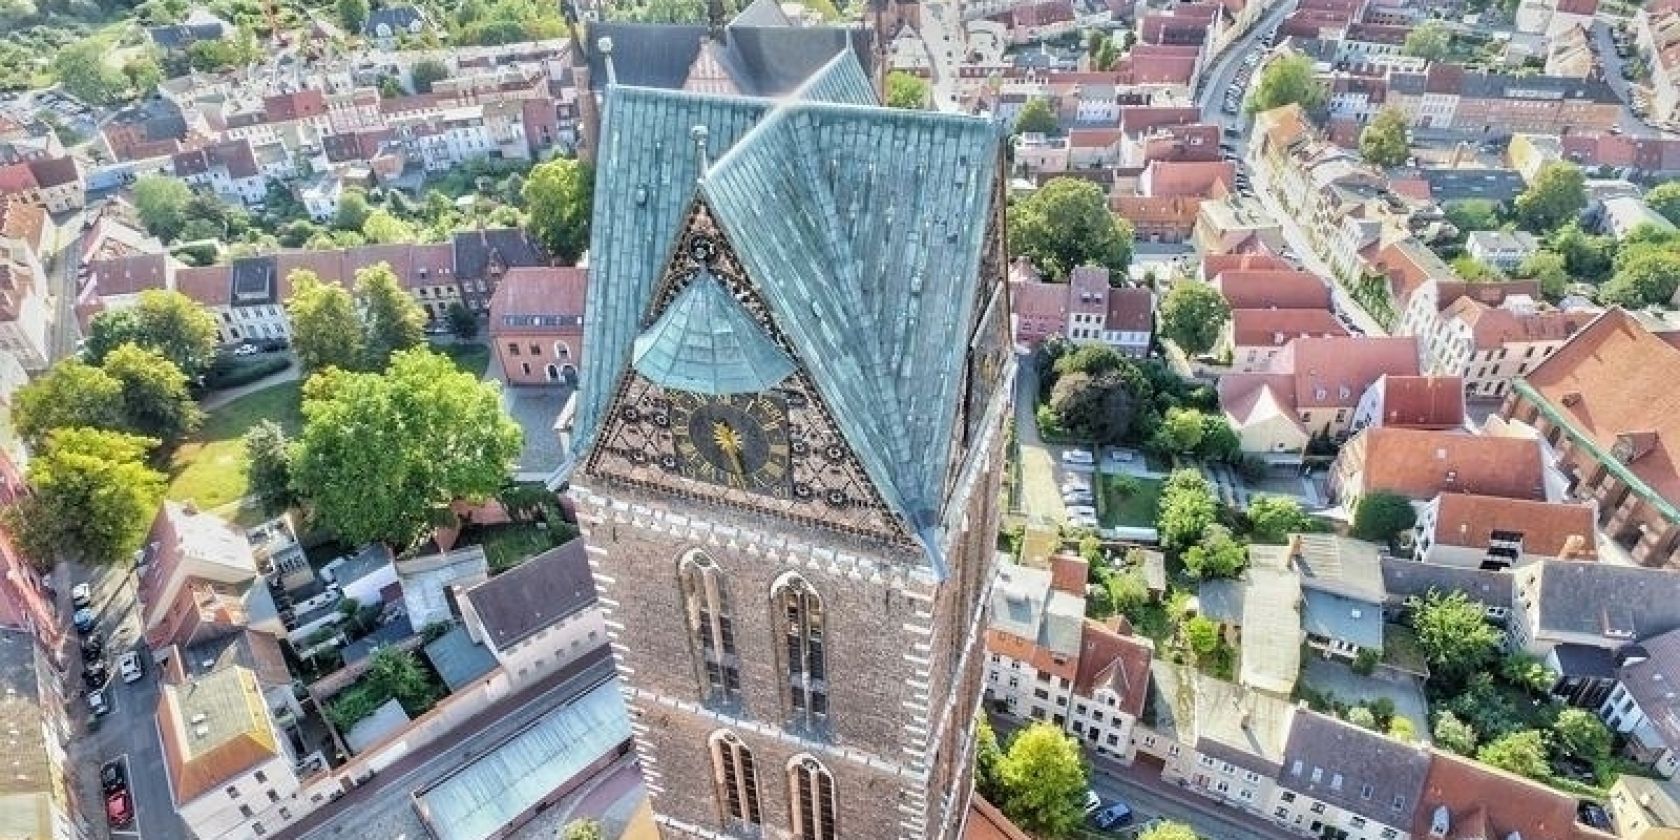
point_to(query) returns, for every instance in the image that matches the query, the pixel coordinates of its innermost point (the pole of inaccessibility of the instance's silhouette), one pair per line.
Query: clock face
(738, 441)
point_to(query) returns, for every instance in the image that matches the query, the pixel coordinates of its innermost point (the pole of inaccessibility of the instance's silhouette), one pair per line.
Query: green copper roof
(705, 342)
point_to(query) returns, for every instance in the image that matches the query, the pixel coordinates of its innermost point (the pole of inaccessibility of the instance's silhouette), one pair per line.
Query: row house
(536, 324)
(229, 169)
(1493, 534)
(1085, 309)
(1370, 43)
(42, 792)
(1215, 738)
(1169, 196)
(1643, 706)
(1602, 407)
(1342, 780)
(1045, 20)
(1194, 143)
(1236, 224)
(1657, 31)
(198, 580)
(538, 617)
(1421, 464)
(1269, 308)
(23, 306)
(1355, 97)
(57, 184)
(145, 130)
(1046, 661)
(1411, 402)
(1447, 96)
(1312, 387)
(1489, 346)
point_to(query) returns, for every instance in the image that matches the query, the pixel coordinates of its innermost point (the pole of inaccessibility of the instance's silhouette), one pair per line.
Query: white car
(1092, 802)
(1082, 511)
(81, 595)
(97, 704)
(130, 667)
(1078, 456)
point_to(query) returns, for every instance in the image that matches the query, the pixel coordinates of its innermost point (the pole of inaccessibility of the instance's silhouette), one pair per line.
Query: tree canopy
(1275, 517)
(168, 322)
(1216, 555)
(382, 455)
(269, 474)
(1430, 40)
(427, 72)
(1036, 117)
(1453, 631)
(161, 202)
(1470, 214)
(1665, 199)
(1187, 508)
(906, 91)
(1550, 269)
(1066, 224)
(83, 71)
(1043, 776)
(1556, 196)
(92, 497)
(70, 394)
(1384, 142)
(156, 402)
(558, 196)
(1168, 831)
(1454, 734)
(1379, 516)
(1523, 753)
(1098, 408)
(352, 14)
(1192, 316)
(1288, 80)
(391, 320)
(1649, 278)
(1579, 734)
(326, 328)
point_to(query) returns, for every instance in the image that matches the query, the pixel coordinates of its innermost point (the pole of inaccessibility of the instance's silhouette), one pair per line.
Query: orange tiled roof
(1423, 402)
(1481, 801)
(1268, 288)
(1120, 663)
(1547, 527)
(1277, 327)
(1419, 464)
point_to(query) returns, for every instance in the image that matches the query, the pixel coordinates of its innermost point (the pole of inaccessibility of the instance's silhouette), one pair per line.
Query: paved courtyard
(1333, 677)
(534, 408)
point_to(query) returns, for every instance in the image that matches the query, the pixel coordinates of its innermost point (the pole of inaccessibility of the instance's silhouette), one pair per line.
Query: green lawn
(472, 358)
(209, 469)
(1128, 501)
(506, 546)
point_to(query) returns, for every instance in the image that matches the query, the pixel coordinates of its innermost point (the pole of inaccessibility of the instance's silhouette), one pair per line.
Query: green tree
(988, 760)
(1472, 214)
(1665, 199)
(582, 830)
(1526, 671)
(1585, 255)
(82, 69)
(1066, 224)
(1430, 40)
(1454, 734)
(1192, 316)
(462, 322)
(1523, 753)
(1187, 508)
(1453, 631)
(427, 72)
(430, 432)
(270, 472)
(1089, 358)
(352, 13)
(1550, 269)
(382, 228)
(156, 401)
(1557, 195)
(1273, 518)
(557, 198)
(1043, 776)
(392, 321)
(1201, 634)
(1401, 729)
(91, 498)
(353, 211)
(168, 322)
(1648, 279)
(1380, 516)
(1219, 440)
(398, 672)
(161, 202)
(1169, 831)
(1036, 117)
(71, 394)
(906, 91)
(1362, 717)
(1216, 555)
(1098, 408)
(1288, 80)
(1579, 734)
(1383, 142)
(143, 72)
(326, 329)
(1471, 269)
(1180, 431)
(1106, 57)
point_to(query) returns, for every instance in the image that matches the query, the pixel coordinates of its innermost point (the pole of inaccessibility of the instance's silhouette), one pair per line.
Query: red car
(119, 808)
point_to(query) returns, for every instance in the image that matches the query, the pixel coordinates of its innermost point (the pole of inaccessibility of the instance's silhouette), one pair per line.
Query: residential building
(1312, 387)
(230, 768)
(1342, 594)
(1261, 616)
(1657, 32)
(1645, 809)
(1448, 96)
(1494, 533)
(1039, 309)
(1501, 249)
(1235, 224)
(1420, 464)
(539, 616)
(1547, 17)
(1215, 738)
(1643, 707)
(1464, 799)
(39, 793)
(385, 26)
(1620, 216)
(536, 324)
(1345, 781)
(1560, 603)
(198, 580)
(228, 168)
(483, 256)
(1490, 346)
(1411, 402)
(23, 306)
(1569, 53)
(1254, 337)
(1603, 406)
(1405, 579)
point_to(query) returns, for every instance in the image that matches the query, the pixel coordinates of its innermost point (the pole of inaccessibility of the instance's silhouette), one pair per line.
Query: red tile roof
(210, 285)
(1130, 309)
(1335, 371)
(1481, 801)
(557, 291)
(1215, 264)
(1493, 327)
(1419, 464)
(1285, 288)
(1548, 529)
(1069, 573)
(1422, 402)
(1119, 663)
(1277, 327)
(986, 822)
(1189, 178)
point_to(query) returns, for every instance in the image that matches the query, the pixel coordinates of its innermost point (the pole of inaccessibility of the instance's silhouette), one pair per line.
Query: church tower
(787, 448)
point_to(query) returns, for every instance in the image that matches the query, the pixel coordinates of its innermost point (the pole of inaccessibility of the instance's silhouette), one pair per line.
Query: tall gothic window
(807, 674)
(737, 782)
(811, 796)
(711, 628)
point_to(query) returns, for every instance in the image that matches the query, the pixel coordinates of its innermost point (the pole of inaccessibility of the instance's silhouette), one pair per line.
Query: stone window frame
(703, 588)
(798, 614)
(735, 778)
(813, 805)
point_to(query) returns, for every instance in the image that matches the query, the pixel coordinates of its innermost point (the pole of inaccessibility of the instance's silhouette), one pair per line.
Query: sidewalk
(217, 399)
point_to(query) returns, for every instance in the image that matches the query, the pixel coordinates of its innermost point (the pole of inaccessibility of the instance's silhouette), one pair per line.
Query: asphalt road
(1631, 124)
(1217, 79)
(947, 43)
(1140, 786)
(63, 332)
(129, 732)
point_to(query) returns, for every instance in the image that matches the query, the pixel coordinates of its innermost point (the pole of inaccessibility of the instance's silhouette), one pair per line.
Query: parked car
(81, 595)
(84, 619)
(1113, 816)
(245, 350)
(1092, 802)
(111, 777)
(119, 808)
(1077, 499)
(131, 667)
(95, 674)
(92, 647)
(1077, 456)
(97, 704)
(1082, 511)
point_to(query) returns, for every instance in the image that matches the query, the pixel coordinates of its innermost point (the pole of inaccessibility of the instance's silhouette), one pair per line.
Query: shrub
(228, 372)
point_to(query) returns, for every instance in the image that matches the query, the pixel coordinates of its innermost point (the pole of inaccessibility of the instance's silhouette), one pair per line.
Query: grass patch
(506, 546)
(1402, 650)
(1128, 501)
(472, 358)
(209, 468)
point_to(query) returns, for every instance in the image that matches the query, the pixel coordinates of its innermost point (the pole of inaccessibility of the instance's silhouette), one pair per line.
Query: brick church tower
(786, 451)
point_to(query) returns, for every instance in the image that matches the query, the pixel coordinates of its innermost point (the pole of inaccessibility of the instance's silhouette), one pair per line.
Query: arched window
(737, 781)
(562, 351)
(811, 796)
(711, 628)
(807, 674)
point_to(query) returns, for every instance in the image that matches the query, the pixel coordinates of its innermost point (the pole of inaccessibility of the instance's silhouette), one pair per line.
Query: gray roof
(1221, 600)
(762, 13)
(1460, 184)
(397, 18)
(1502, 240)
(458, 659)
(1025, 606)
(179, 36)
(762, 59)
(1247, 728)
(704, 341)
(1341, 566)
(28, 776)
(512, 247)
(1336, 616)
(372, 729)
(1404, 579)
(1354, 768)
(1651, 682)
(534, 595)
(1616, 603)
(372, 558)
(1584, 661)
(394, 630)
(859, 227)
(256, 281)
(1271, 622)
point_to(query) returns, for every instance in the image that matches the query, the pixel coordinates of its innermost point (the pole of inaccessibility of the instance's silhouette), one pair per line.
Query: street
(64, 332)
(1218, 78)
(942, 33)
(1141, 787)
(129, 731)
(1605, 48)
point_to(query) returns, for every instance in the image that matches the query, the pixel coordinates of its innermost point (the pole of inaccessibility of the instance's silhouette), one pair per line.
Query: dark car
(1113, 816)
(119, 808)
(112, 778)
(84, 619)
(95, 674)
(92, 647)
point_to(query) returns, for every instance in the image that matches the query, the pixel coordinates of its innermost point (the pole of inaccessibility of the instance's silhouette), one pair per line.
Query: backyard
(1128, 501)
(209, 468)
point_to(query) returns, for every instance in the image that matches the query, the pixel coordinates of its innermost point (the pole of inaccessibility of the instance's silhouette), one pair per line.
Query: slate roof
(255, 281)
(1404, 579)
(458, 659)
(861, 229)
(1617, 603)
(760, 59)
(533, 595)
(396, 18)
(475, 249)
(1499, 185)
(704, 341)
(1354, 768)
